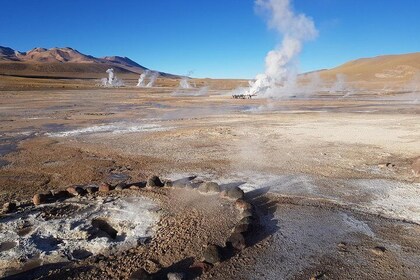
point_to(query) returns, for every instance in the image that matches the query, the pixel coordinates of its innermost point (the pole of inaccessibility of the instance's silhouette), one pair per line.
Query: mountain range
(64, 62)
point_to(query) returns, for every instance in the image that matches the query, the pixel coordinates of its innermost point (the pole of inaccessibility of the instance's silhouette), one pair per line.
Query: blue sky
(218, 38)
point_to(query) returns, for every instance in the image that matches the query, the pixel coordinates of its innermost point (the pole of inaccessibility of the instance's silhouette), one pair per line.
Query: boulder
(39, 198)
(415, 167)
(154, 182)
(235, 193)
(236, 241)
(104, 188)
(207, 187)
(240, 228)
(212, 254)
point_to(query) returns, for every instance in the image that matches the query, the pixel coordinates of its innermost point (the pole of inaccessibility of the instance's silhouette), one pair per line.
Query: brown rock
(235, 193)
(39, 198)
(76, 190)
(154, 182)
(207, 187)
(236, 241)
(212, 254)
(134, 187)
(240, 228)
(416, 167)
(242, 205)
(104, 187)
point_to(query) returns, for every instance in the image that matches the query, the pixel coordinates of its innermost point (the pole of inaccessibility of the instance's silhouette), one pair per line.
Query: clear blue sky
(217, 38)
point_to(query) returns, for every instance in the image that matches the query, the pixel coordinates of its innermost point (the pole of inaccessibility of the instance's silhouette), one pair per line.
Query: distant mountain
(64, 62)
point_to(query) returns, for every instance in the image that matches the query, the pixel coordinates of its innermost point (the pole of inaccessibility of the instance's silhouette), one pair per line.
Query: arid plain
(330, 175)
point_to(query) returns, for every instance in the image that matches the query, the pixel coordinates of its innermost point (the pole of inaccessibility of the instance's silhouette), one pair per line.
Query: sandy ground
(333, 175)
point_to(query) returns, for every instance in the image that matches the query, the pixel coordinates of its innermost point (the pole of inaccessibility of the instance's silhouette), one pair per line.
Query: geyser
(280, 63)
(110, 76)
(151, 75)
(112, 80)
(142, 78)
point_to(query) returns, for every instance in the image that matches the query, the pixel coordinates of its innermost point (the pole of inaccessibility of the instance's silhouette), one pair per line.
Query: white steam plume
(153, 78)
(184, 83)
(112, 80)
(142, 78)
(110, 75)
(280, 63)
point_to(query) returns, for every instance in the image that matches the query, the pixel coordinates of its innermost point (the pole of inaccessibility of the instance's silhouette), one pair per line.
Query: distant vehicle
(243, 96)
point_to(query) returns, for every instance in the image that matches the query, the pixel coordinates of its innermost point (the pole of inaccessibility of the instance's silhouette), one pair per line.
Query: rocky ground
(333, 179)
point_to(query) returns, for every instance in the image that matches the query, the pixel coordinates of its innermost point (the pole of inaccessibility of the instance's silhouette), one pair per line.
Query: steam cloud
(112, 80)
(142, 77)
(151, 75)
(280, 64)
(184, 83)
(153, 79)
